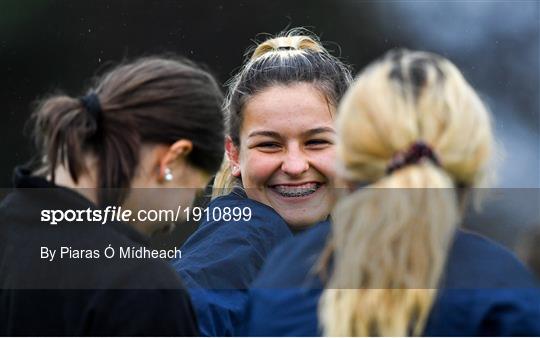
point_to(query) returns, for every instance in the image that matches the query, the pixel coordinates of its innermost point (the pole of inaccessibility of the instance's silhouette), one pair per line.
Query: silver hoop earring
(168, 175)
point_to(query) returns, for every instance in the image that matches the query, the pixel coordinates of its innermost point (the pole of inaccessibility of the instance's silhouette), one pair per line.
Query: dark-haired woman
(68, 264)
(280, 111)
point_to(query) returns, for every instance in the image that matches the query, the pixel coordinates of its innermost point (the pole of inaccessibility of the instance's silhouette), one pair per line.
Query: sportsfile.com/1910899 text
(120, 214)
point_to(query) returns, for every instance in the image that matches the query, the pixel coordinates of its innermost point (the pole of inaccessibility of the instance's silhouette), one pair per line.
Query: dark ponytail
(61, 130)
(152, 100)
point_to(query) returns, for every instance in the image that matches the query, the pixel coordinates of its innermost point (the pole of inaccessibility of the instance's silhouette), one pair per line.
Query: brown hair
(151, 100)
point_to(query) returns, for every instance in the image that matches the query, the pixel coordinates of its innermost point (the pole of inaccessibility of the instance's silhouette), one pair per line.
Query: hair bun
(288, 42)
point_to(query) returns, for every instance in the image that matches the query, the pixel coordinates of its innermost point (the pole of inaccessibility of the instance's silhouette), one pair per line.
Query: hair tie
(413, 155)
(91, 104)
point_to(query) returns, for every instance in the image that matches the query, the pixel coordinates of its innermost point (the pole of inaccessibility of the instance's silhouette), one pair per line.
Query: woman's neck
(86, 184)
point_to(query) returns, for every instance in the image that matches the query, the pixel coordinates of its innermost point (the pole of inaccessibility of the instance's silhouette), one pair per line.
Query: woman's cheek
(325, 162)
(258, 168)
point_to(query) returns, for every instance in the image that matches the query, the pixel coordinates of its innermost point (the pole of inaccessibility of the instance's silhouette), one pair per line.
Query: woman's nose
(295, 163)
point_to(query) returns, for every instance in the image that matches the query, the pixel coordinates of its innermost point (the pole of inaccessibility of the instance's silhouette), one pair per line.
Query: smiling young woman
(280, 152)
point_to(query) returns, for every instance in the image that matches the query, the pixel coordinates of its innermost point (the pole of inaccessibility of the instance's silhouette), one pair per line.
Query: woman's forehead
(288, 109)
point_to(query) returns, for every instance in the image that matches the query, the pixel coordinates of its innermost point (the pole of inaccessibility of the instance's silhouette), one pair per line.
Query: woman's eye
(268, 145)
(317, 143)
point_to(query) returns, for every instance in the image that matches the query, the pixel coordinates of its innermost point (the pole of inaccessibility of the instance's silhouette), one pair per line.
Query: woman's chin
(303, 211)
(299, 212)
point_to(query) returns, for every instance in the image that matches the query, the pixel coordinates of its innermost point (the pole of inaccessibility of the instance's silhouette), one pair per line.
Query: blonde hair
(390, 244)
(291, 57)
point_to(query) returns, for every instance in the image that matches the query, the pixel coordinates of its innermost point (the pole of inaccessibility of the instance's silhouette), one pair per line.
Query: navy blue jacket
(80, 297)
(485, 291)
(221, 259)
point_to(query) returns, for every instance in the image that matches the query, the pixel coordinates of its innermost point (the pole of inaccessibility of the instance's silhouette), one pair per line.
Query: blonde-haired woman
(280, 148)
(413, 139)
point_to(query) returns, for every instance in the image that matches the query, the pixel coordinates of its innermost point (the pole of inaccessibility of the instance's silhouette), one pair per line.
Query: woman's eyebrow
(268, 133)
(319, 131)
(308, 132)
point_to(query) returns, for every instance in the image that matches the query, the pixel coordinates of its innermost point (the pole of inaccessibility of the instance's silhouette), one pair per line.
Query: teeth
(297, 191)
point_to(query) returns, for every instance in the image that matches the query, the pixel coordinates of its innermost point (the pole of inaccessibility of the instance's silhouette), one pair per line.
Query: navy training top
(222, 258)
(80, 296)
(485, 291)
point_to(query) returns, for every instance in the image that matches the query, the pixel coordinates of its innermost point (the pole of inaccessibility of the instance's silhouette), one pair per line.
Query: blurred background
(53, 45)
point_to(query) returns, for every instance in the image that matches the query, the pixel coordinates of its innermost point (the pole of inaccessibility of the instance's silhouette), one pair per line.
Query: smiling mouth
(296, 190)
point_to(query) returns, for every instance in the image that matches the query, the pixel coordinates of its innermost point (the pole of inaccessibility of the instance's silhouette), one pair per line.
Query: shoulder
(229, 251)
(300, 252)
(475, 261)
(310, 241)
(485, 291)
(485, 312)
(235, 215)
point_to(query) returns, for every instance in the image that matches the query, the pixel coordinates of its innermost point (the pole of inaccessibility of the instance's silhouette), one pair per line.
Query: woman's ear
(174, 154)
(181, 148)
(233, 155)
